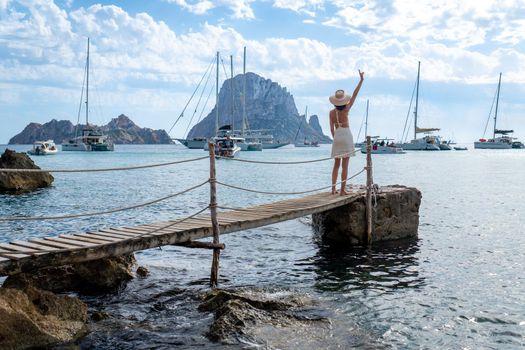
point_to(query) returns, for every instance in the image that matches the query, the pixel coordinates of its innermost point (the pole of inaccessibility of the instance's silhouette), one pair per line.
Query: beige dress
(343, 145)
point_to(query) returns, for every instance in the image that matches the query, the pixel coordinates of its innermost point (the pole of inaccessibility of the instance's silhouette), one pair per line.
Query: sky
(147, 58)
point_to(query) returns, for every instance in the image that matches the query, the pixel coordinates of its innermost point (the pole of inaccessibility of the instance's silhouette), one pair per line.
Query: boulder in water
(21, 181)
(243, 313)
(90, 277)
(32, 318)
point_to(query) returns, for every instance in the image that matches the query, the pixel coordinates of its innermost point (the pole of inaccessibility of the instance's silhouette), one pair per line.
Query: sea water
(461, 284)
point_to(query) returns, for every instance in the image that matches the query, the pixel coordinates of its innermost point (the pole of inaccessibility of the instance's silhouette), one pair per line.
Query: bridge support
(214, 276)
(369, 189)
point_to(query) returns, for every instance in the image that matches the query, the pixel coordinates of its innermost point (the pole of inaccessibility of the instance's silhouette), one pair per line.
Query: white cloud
(198, 8)
(308, 7)
(241, 9)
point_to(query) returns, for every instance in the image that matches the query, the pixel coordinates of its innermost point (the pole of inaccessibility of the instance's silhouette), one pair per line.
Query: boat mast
(87, 84)
(366, 120)
(496, 113)
(243, 91)
(417, 100)
(233, 97)
(217, 97)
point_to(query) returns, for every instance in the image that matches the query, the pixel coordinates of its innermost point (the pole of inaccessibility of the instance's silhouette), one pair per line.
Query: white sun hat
(340, 98)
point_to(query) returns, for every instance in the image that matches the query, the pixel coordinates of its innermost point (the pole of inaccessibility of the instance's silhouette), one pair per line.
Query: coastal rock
(121, 130)
(314, 123)
(242, 313)
(32, 318)
(395, 216)
(21, 182)
(91, 277)
(268, 106)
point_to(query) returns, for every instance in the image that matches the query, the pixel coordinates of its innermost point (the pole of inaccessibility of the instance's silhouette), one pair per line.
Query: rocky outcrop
(314, 123)
(91, 277)
(21, 181)
(246, 312)
(33, 318)
(56, 130)
(268, 106)
(121, 130)
(395, 216)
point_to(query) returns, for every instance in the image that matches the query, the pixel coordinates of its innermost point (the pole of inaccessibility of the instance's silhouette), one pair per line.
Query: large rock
(268, 106)
(91, 277)
(121, 130)
(244, 313)
(33, 318)
(21, 181)
(395, 216)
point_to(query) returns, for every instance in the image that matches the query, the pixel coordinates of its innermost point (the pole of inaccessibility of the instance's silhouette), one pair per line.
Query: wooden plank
(14, 248)
(83, 239)
(94, 236)
(31, 245)
(69, 241)
(120, 232)
(110, 235)
(54, 244)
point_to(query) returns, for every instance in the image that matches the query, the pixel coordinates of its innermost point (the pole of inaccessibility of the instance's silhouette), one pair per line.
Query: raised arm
(357, 88)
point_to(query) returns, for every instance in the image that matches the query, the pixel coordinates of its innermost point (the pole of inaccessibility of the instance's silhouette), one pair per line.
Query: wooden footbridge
(25, 256)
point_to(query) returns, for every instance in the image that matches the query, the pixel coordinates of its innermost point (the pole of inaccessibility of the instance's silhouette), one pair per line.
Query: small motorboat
(461, 148)
(43, 148)
(383, 146)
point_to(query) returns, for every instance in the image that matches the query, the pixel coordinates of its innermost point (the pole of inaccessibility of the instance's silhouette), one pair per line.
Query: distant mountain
(121, 130)
(268, 106)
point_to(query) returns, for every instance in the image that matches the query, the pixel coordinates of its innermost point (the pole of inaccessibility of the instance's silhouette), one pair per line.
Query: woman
(343, 146)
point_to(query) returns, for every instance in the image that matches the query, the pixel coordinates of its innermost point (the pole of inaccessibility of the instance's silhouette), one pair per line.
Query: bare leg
(335, 171)
(344, 175)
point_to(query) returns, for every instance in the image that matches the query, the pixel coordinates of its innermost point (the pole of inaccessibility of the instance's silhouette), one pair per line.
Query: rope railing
(287, 193)
(7, 170)
(289, 162)
(31, 252)
(104, 212)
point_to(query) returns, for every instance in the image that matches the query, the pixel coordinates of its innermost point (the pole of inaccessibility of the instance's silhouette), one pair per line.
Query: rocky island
(121, 130)
(269, 106)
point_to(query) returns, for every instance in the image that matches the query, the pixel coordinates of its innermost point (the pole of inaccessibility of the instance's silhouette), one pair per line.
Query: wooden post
(369, 184)
(214, 222)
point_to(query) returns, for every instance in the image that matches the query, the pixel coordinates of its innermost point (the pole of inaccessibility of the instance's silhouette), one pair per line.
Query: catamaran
(428, 142)
(504, 141)
(91, 139)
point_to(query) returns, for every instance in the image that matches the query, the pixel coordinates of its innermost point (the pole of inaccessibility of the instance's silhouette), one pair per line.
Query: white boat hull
(42, 153)
(193, 144)
(492, 145)
(274, 145)
(82, 147)
(383, 150)
(418, 147)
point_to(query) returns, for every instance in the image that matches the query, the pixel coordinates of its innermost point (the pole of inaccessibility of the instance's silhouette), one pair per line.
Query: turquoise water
(460, 285)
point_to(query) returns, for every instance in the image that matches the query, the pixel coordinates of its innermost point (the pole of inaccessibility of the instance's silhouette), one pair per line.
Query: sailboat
(226, 143)
(501, 142)
(91, 139)
(379, 145)
(305, 143)
(428, 142)
(251, 143)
